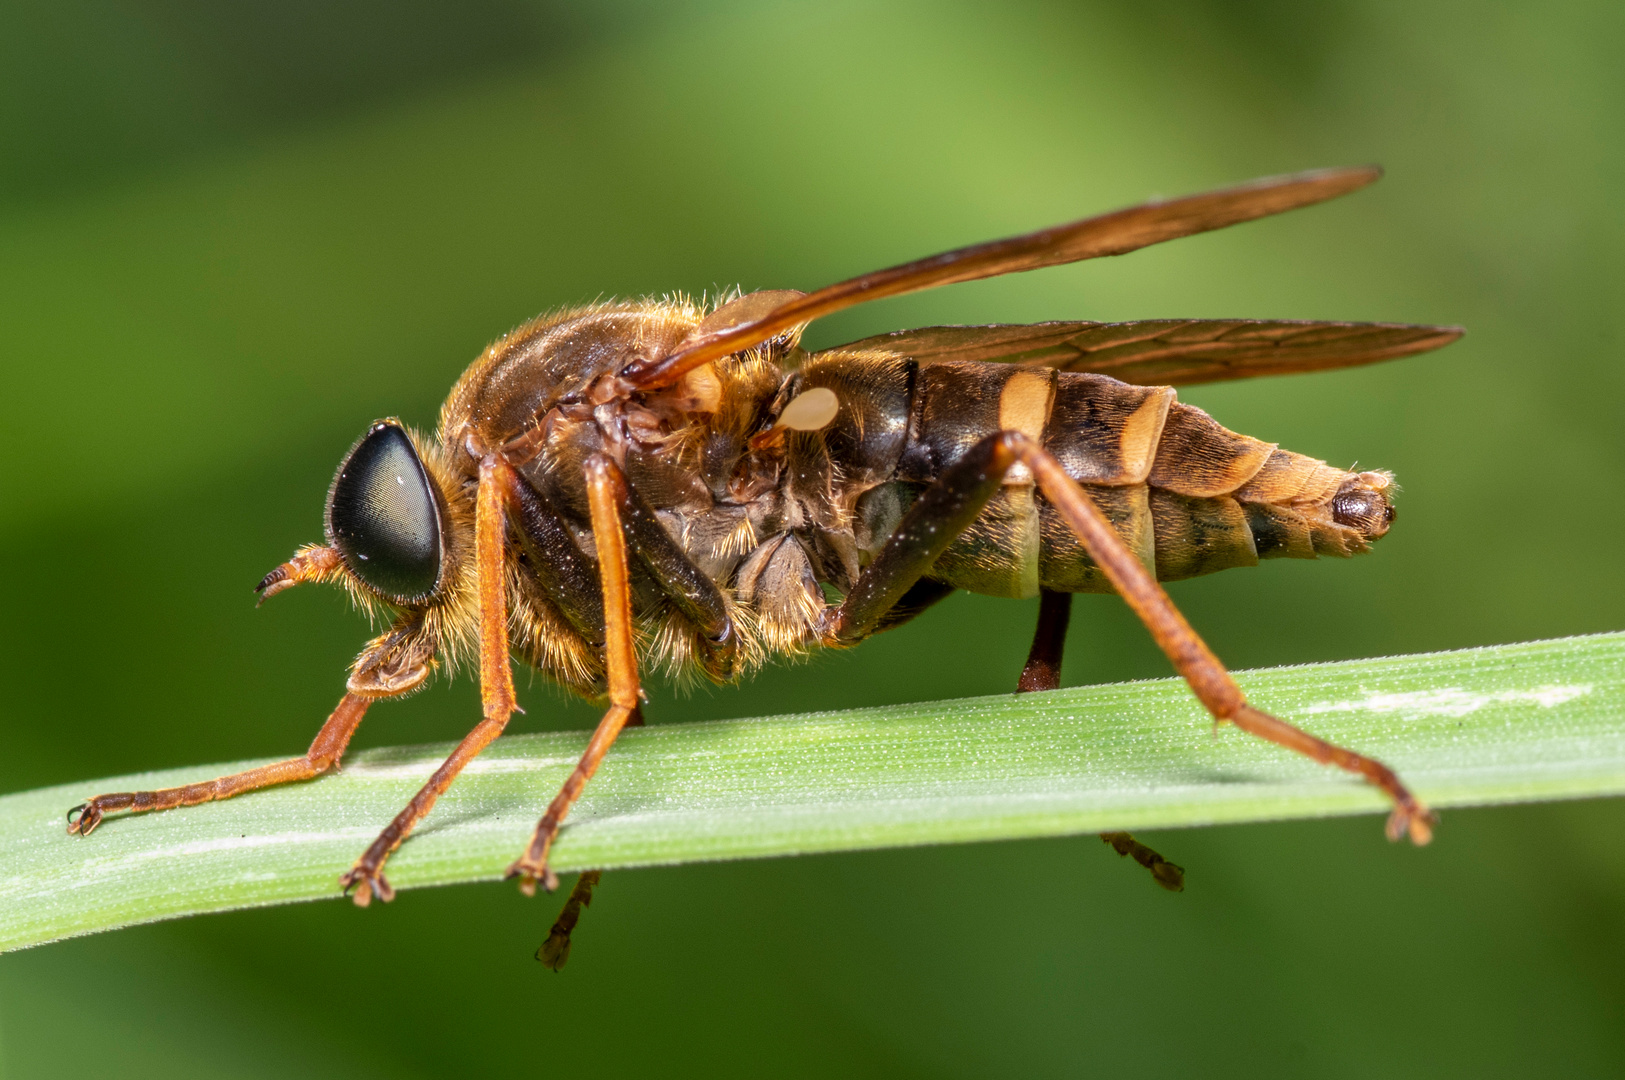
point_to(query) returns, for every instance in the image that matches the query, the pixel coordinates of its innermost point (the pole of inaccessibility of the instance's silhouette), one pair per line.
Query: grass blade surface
(1513, 723)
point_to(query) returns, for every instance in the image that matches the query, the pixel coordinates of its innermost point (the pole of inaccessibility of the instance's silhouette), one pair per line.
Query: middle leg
(624, 525)
(606, 493)
(1043, 672)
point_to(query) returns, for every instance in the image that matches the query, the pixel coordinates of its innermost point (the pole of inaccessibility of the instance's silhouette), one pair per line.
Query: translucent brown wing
(1166, 352)
(1115, 233)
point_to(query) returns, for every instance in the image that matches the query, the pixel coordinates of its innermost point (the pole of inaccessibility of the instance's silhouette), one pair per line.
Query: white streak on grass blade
(1451, 702)
(420, 771)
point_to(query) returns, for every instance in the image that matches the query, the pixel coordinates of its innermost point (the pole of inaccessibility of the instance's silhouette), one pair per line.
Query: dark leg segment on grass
(1043, 672)
(555, 951)
(366, 877)
(324, 754)
(952, 502)
(607, 492)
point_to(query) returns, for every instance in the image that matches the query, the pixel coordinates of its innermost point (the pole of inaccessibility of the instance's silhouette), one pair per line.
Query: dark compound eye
(383, 515)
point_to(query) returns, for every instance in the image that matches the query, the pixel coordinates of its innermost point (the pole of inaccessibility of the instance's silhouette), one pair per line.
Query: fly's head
(399, 537)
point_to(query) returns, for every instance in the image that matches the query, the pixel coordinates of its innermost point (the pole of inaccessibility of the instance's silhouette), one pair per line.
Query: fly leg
(555, 951)
(941, 513)
(324, 754)
(393, 664)
(606, 492)
(565, 574)
(947, 508)
(1043, 672)
(1169, 875)
(497, 703)
(1191, 657)
(684, 586)
(571, 581)
(623, 523)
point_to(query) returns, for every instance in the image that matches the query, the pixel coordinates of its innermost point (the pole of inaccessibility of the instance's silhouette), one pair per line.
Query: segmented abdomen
(1187, 495)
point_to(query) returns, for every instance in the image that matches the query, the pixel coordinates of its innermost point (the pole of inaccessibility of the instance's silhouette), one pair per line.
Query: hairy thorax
(551, 392)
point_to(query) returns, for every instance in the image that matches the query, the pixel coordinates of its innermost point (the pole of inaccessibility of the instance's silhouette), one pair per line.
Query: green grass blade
(1543, 720)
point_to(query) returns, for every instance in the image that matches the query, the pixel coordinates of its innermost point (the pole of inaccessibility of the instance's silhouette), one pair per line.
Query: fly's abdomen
(1187, 495)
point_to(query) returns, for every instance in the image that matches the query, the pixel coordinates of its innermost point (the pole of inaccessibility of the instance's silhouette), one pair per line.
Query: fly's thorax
(866, 439)
(677, 456)
(551, 394)
(556, 361)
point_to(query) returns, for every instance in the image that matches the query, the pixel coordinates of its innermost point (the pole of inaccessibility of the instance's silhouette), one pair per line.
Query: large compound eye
(384, 517)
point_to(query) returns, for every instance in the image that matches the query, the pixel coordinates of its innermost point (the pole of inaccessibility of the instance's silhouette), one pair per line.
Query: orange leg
(324, 754)
(1191, 657)
(951, 504)
(366, 877)
(605, 490)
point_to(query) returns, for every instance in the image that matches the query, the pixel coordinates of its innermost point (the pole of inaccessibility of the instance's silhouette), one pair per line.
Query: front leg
(324, 753)
(366, 877)
(394, 663)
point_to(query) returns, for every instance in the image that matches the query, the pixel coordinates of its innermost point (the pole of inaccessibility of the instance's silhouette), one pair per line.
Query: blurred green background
(231, 235)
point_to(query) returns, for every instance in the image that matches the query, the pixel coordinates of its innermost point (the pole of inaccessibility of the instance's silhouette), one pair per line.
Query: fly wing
(1165, 352)
(1115, 233)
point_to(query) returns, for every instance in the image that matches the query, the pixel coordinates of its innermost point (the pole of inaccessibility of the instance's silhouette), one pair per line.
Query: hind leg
(950, 505)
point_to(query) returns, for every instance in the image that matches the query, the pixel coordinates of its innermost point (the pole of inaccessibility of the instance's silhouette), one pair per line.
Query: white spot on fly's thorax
(1453, 702)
